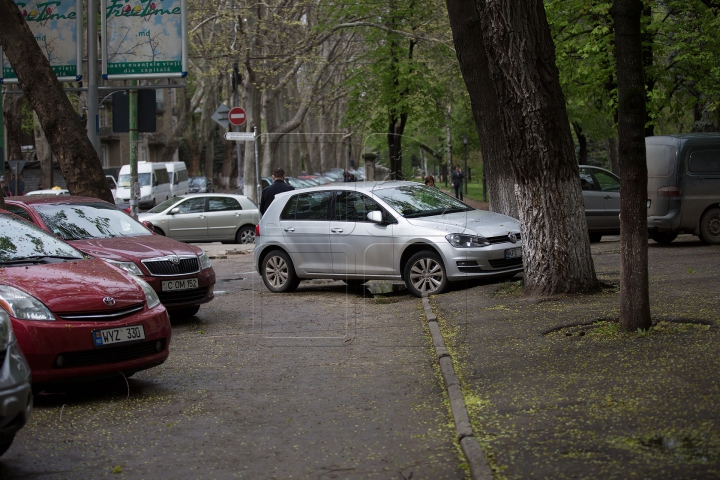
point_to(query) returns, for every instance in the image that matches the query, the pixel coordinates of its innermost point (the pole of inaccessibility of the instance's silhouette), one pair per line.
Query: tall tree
(537, 144)
(78, 160)
(634, 297)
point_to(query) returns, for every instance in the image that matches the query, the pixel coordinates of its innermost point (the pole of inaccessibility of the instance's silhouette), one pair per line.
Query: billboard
(144, 39)
(58, 29)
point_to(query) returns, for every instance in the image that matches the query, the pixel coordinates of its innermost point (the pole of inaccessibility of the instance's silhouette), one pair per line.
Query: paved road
(323, 383)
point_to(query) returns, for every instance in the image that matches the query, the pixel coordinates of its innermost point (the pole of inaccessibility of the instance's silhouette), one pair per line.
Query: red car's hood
(134, 248)
(76, 287)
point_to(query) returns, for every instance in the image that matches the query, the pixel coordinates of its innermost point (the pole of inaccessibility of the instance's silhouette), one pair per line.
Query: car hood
(479, 222)
(78, 286)
(134, 248)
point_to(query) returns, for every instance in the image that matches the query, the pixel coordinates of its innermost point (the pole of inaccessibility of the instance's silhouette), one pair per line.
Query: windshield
(21, 240)
(143, 178)
(197, 182)
(413, 201)
(165, 205)
(89, 220)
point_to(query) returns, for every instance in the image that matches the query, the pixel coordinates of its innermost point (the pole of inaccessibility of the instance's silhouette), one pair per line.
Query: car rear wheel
(425, 273)
(184, 313)
(246, 235)
(663, 237)
(278, 272)
(710, 227)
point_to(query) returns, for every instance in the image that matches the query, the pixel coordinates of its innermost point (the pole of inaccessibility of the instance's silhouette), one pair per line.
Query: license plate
(513, 252)
(177, 285)
(110, 336)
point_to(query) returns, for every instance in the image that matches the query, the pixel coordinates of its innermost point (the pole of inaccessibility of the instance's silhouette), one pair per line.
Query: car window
(161, 175)
(704, 161)
(412, 201)
(222, 204)
(307, 206)
(20, 240)
(354, 207)
(586, 179)
(608, 183)
(192, 205)
(80, 221)
(166, 204)
(19, 211)
(660, 160)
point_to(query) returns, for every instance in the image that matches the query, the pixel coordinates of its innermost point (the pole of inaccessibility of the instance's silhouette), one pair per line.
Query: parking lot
(325, 383)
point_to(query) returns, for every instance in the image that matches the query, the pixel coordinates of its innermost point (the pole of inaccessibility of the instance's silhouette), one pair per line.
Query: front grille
(104, 316)
(506, 263)
(502, 239)
(110, 354)
(183, 296)
(164, 267)
(470, 269)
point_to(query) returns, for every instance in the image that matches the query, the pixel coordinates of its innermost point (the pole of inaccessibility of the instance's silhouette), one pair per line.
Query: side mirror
(375, 217)
(155, 183)
(175, 210)
(148, 225)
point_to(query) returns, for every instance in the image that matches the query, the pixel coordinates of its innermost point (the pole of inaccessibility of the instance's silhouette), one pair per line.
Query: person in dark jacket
(278, 186)
(457, 182)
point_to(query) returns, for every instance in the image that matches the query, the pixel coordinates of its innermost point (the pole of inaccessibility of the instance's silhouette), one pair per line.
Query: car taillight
(669, 191)
(257, 230)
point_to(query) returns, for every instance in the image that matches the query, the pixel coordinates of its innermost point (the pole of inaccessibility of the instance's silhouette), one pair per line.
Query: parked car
(154, 184)
(49, 191)
(16, 399)
(112, 184)
(207, 217)
(200, 185)
(684, 186)
(601, 194)
(73, 315)
(179, 181)
(181, 274)
(383, 231)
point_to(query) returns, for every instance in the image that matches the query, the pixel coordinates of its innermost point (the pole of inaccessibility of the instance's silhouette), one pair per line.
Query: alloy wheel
(426, 275)
(247, 237)
(276, 272)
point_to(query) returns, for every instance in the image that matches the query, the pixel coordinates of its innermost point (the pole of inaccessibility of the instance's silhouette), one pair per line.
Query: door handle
(289, 229)
(201, 217)
(337, 230)
(607, 197)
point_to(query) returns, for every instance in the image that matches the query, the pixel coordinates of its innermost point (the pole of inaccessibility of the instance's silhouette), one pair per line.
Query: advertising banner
(58, 29)
(144, 39)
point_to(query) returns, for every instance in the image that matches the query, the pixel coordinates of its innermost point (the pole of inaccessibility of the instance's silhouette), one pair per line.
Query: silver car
(383, 231)
(207, 217)
(16, 399)
(601, 194)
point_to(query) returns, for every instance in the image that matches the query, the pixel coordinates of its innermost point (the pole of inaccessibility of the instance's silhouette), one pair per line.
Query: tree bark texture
(78, 160)
(13, 124)
(634, 296)
(470, 50)
(538, 145)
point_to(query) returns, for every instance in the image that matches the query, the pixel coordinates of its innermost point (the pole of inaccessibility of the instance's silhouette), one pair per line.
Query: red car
(181, 274)
(75, 316)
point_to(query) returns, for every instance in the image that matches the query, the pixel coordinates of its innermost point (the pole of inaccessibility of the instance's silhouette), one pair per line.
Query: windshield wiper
(38, 259)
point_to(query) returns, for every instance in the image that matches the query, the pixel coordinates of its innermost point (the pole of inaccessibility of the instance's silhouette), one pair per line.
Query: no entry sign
(236, 115)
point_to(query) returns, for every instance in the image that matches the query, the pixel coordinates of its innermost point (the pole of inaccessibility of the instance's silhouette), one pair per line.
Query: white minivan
(178, 178)
(154, 184)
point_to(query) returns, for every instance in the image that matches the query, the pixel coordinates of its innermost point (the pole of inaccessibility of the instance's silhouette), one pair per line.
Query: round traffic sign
(236, 115)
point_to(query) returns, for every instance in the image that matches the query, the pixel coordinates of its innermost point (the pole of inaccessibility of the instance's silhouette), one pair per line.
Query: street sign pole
(133, 120)
(257, 169)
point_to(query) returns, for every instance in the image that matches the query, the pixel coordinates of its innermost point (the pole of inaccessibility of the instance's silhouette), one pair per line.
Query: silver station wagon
(382, 231)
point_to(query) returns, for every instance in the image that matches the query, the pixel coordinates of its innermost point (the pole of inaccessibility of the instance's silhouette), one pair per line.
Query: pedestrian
(346, 175)
(278, 186)
(457, 182)
(430, 181)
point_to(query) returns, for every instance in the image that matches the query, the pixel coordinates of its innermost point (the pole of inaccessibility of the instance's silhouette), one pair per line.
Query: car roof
(231, 195)
(53, 199)
(368, 187)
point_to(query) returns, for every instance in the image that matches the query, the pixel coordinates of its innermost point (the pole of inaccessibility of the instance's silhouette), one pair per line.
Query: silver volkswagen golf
(382, 231)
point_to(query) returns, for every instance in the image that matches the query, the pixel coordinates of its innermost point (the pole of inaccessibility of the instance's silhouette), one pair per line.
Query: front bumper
(671, 221)
(470, 263)
(16, 399)
(43, 341)
(185, 298)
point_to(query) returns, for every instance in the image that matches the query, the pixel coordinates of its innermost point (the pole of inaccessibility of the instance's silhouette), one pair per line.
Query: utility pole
(133, 134)
(465, 141)
(236, 82)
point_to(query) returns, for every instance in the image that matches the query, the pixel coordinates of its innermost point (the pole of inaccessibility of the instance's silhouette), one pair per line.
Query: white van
(178, 178)
(154, 184)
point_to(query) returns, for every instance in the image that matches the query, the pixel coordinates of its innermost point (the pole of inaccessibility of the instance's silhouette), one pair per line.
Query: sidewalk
(553, 395)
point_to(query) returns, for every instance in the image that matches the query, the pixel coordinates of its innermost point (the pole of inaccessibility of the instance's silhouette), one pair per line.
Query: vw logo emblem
(174, 259)
(512, 237)
(109, 301)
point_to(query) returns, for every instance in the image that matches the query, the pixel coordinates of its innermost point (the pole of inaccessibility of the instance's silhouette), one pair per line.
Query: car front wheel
(663, 237)
(184, 313)
(425, 273)
(246, 235)
(710, 227)
(278, 272)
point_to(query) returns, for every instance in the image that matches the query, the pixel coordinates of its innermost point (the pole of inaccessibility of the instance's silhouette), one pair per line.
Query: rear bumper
(671, 221)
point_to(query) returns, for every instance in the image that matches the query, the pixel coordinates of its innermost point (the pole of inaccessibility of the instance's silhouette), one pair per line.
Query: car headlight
(461, 240)
(129, 267)
(6, 333)
(151, 297)
(204, 261)
(22, 305)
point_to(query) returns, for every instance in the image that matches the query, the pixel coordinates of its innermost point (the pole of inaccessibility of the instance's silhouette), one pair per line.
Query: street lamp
(465, 140)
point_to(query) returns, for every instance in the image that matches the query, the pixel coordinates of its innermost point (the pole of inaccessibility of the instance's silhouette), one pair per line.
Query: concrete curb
(479, 468)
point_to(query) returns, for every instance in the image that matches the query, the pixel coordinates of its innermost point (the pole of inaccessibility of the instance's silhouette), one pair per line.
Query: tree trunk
(634, 295)
(13, 124)
(448, 143)
(470, 51)
(538, 145)
(44, 155)
(78, 160)
(648, 38)
(612, 151)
